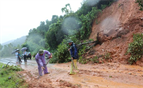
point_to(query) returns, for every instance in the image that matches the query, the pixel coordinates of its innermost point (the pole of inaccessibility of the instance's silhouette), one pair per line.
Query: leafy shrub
(103, 6)
(107, 56)
(53, 60)
(140, 2)
(82, 50)
(82, 60)
(87, 21)
(62, 53)
(95, 59)
(136, 48)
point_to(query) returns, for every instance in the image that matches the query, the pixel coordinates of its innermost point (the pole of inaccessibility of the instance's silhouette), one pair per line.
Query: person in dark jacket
(25, 56)
(74, 56)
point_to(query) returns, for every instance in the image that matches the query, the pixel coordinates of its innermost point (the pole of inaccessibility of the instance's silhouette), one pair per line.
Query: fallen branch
(86, 43)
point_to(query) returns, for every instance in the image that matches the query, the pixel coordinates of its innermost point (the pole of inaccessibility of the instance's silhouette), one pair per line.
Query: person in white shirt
(16, 55)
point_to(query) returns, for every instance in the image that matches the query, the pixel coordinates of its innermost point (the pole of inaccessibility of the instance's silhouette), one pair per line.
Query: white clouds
(17, 17)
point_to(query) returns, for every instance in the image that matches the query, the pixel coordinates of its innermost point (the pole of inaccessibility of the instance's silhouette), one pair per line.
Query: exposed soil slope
(116, 27)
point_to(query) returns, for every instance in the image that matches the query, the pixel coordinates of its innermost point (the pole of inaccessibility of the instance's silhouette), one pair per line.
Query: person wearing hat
(74, 56)
(40, 59)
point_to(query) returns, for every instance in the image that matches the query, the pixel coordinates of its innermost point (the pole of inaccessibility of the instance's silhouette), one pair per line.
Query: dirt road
(107, 75)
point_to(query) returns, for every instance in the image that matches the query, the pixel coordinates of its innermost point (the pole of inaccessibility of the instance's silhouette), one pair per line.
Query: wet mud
(108, 75)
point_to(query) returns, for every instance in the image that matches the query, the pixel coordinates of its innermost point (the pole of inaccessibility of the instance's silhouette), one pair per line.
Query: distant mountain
(7, 42)
(18, 41)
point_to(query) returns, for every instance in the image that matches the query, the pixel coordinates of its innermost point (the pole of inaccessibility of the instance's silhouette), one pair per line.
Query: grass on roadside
(9, 78)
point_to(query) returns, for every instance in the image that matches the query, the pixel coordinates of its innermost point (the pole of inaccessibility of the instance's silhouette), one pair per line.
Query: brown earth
(108, 75)
(116, 26)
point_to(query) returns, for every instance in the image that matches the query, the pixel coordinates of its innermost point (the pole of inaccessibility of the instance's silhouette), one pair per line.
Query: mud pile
(116, 27)
(107, 75)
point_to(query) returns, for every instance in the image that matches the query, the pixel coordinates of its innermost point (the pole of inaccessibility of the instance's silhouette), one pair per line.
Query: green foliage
(67, 9)
(62, 53)
(82, 50)
(95, 59)
(53, 60)
(87, 21)
(107, 56)
(82, 60)
(91, 40)
(9, 78)
(33, 47)
(97, 22)
(104, 2)
(55, 33)
(103, 6)
(110, 76)
(140, 2)
(136, 48)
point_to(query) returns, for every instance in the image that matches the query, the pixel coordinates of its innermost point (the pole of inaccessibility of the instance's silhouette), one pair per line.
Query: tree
(55, 35)
(42, 29)
(54, 19)
(67, 9)
(1, 46)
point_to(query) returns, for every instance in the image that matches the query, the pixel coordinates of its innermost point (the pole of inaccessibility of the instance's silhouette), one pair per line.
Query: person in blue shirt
(74, 56)
(18, 56)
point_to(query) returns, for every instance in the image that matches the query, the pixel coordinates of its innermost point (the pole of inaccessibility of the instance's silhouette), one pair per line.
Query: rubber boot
(71, 70)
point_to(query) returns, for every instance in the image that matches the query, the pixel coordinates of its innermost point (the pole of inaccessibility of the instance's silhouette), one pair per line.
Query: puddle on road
(105, 76)
(99, 82)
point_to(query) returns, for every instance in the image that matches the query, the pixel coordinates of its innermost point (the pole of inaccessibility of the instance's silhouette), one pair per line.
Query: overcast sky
(17, 17)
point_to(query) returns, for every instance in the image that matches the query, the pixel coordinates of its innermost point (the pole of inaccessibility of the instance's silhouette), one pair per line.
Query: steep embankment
(116, 26)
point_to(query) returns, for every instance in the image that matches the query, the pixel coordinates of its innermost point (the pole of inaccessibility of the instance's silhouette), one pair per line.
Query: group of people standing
(18, 56)
(41, 61)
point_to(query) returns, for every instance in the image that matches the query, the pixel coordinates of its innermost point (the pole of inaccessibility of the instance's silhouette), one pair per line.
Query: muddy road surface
(106, 75)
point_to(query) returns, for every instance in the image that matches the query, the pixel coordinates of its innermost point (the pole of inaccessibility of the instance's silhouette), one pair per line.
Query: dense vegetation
(136, 48)
(9, 78)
